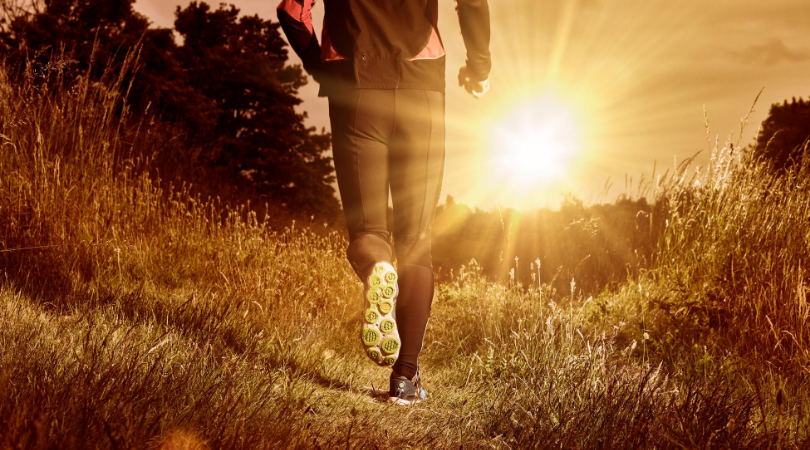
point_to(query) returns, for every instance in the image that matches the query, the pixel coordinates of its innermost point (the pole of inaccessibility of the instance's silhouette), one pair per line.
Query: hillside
(138, 314)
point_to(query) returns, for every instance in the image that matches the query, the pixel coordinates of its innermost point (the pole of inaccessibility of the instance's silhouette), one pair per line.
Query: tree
(84, 36)
(784, 133)
(240, 64)
(228, 84)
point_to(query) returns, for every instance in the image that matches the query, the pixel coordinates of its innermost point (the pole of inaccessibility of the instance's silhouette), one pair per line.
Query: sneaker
(380, 336)
(403, 391)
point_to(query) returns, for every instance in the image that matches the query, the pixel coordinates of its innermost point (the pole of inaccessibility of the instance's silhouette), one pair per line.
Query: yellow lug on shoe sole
(374, 296)
(391, 277)
(372, 315)
(371, 336)
(386, 307)
(388, 326)
(390, 345)
(374, 353)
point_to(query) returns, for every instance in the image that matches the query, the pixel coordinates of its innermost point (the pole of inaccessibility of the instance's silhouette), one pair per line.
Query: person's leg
(362, 121)
(416, 168)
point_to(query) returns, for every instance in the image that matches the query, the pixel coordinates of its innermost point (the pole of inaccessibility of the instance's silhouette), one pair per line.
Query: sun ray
(561, 40)
(606, 72)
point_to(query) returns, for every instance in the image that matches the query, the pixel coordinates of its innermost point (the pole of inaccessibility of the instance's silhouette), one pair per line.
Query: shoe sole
(380, 336)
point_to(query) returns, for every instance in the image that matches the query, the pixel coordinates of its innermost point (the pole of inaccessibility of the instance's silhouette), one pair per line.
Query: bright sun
(535, 143)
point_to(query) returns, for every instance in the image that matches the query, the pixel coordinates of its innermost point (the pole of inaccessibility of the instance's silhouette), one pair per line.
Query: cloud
(771, 52)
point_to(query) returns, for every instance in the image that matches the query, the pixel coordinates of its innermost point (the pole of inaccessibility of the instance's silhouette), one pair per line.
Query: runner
(382, 66)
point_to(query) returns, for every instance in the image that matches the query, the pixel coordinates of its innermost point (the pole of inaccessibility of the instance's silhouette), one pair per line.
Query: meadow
(139, 312)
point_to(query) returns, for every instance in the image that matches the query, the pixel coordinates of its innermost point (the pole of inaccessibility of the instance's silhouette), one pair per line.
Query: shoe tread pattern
(380, 336)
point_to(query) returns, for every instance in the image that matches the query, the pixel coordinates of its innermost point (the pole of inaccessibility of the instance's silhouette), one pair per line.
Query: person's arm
(295, 17)
(473, 16)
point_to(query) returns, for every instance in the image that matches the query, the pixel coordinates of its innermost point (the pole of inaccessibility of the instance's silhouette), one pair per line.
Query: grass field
(136, 314)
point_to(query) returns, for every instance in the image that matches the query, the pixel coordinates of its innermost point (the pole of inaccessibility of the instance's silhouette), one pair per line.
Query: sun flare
(536, 142)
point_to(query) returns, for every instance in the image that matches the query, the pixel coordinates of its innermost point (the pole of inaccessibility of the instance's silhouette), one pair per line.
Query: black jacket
(379, 44)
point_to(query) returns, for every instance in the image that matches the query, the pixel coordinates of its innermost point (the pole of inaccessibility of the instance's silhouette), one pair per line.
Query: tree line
(221, 77)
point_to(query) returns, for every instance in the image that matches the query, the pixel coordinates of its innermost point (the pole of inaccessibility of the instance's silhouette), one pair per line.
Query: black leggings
(393, 139)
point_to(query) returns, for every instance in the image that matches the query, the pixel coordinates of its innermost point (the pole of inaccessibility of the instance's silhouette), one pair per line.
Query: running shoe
(380, 336)
(403, 391)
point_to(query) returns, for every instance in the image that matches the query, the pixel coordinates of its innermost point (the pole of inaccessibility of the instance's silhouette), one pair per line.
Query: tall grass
(138, 315)
(735, 253)
(75, 172)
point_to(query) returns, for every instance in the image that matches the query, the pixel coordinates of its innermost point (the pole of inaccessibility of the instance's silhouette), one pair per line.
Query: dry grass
(151, 318)
(736, 251)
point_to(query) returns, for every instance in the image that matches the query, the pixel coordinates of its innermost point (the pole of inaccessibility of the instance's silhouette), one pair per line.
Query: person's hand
(476, 88)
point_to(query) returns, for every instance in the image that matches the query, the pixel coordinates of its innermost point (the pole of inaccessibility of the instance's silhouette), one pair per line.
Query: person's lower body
(392, 139)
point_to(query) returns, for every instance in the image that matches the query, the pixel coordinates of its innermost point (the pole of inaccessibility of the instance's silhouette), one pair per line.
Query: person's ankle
(396, 376)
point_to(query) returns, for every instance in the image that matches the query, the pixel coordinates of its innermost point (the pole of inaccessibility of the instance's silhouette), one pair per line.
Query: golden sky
(631, 77)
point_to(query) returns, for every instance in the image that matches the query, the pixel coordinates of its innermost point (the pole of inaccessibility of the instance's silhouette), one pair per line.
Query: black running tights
(392, 139)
